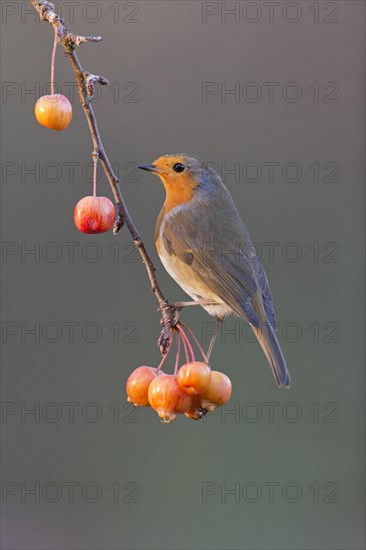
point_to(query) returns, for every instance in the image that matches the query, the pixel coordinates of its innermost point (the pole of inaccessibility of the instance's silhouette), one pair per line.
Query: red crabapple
(94, 215)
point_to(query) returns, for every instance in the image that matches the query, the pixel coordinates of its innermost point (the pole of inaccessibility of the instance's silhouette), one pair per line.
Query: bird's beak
(150, 168)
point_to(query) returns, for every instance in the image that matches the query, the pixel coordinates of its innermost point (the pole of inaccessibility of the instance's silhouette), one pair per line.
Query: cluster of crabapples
(92, 214)
(193, 390)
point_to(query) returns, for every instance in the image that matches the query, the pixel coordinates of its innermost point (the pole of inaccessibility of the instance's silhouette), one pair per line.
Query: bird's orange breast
(178, 194)
(175, 196)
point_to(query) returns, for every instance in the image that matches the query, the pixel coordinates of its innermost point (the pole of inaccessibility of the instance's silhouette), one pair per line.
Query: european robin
(205, 246)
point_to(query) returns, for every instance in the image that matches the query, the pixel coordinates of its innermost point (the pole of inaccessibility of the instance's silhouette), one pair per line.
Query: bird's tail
(271, 347)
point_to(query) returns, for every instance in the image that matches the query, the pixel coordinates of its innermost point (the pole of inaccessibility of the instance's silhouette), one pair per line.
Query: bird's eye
(179, 167)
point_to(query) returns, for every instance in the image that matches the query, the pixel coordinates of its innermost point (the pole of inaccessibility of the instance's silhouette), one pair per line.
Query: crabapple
(218, 392)
(194, 377)
(94, 215)
(53, 111)
(137, 386)
(195, 411)
(167, 397)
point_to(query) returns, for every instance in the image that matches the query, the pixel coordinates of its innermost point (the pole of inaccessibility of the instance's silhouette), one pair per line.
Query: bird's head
(180, 174)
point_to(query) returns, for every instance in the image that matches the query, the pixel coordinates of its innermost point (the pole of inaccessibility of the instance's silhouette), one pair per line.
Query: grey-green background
(315, 439)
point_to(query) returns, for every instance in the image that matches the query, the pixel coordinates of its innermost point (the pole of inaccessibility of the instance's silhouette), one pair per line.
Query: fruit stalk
(85, 84)
(176, 366)
(95, 162)
(53, 62)
(196, 341)
(186, 340)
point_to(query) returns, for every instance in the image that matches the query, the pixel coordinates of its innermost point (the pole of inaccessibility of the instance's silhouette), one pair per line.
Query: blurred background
(272, 94)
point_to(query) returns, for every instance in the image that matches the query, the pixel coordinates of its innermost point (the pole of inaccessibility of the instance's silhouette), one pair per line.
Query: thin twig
(85, 83)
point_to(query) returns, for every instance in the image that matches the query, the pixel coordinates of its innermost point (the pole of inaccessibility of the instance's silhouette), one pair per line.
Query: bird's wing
(231, 267)
(263, 285)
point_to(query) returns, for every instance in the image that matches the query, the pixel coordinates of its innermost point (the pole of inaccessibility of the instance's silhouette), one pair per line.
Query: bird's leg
(219, 321)
(180, 305)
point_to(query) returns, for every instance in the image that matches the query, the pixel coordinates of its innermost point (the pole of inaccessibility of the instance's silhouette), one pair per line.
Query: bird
(206, 248)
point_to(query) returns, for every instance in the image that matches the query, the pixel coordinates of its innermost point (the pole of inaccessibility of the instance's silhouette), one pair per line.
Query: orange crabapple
(218, 392)
(194, 377)
(53, 111)
(167, 397)
(137, 386)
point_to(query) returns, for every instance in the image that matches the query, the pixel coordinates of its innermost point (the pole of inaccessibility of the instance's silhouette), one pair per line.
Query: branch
(86, 83)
